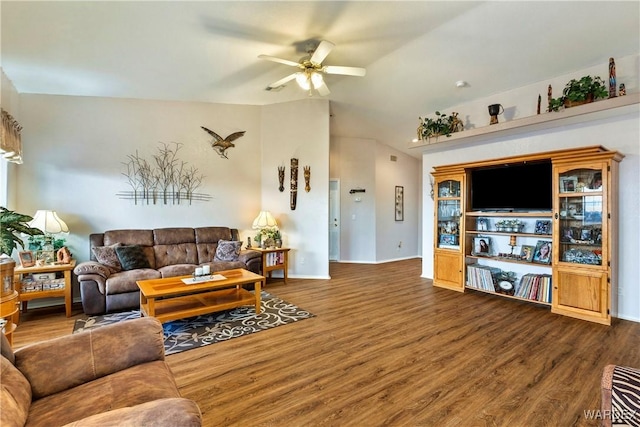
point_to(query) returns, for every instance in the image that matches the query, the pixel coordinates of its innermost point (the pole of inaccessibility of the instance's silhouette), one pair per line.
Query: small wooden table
(274, 259)
(170, 298)
(66, 292)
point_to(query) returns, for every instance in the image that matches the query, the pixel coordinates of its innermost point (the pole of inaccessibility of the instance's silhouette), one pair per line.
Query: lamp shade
(264, 220)
(48, 222)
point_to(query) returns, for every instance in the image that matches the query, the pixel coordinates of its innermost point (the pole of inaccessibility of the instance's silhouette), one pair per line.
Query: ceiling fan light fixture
(316, 79)
(303, 80)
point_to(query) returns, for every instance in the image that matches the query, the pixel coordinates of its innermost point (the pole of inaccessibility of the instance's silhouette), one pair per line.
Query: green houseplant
(581, 91)
(12, 224)
(441, 125)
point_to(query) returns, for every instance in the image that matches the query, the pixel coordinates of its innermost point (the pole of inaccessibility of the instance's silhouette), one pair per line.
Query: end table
(45, 288)
(274, 259)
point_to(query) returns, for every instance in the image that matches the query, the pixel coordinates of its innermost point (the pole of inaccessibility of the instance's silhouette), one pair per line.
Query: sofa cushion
(138, 384)
(106, 255)
(129, 237)
(179, 253)
(125, 281)
(15, 395)
(132, 257)
(212, 234)
(177, 270)
(173, 236)
(227, 250)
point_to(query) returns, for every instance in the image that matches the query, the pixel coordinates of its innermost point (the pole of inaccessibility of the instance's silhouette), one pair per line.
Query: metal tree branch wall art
(221, 145)
(281, 178)
(163, 179)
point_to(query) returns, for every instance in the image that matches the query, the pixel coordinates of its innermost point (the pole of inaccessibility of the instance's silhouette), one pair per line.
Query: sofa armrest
(92, 267)
(248, 254)
(65, 362)
(161, 412)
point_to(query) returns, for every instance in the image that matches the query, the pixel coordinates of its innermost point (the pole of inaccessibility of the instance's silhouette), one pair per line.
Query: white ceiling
(414, 51)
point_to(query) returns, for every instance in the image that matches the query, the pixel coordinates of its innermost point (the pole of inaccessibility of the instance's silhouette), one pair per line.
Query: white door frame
(334, 219)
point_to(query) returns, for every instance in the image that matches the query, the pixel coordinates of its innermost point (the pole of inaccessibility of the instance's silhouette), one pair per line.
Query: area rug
(186, 334)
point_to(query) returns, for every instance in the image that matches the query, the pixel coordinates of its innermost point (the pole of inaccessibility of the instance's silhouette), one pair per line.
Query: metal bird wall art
(219, 144)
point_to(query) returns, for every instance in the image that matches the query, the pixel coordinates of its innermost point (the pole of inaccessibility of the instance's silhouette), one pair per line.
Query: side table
(274, 259)
(44, 287)
(10, 313)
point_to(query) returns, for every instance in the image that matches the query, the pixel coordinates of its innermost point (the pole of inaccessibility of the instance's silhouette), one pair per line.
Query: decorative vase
(278, 243)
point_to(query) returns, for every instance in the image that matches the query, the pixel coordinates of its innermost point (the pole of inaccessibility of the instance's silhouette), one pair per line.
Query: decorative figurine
(294, 183)
(549, 98)
(612, 78)
(63, 256)
(221, 145)
(248, 242)
(623, 90)
(307, 178)
(539, 102)
(281, 178)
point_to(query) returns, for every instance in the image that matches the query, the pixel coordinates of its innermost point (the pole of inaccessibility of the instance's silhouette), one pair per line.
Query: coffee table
(170, 298)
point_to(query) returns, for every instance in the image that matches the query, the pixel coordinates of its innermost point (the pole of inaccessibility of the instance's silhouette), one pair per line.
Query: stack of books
(482, 277)
(536, 287)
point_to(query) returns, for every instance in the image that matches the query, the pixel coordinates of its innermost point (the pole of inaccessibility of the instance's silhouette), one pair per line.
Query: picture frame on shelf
(482, 224)
(526, 253)
(568, 184)
(543, 227)
(482, 246)
(448, 240)
(542, 253)
(26, 258)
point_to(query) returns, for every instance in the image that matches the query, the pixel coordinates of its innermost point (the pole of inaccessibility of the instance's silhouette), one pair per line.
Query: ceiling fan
(311, 69)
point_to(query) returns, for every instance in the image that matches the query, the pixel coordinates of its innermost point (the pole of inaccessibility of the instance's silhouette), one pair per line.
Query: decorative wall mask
(307, 178)
(294, 183)
(219, 144)
(164, 178)
(281, 178)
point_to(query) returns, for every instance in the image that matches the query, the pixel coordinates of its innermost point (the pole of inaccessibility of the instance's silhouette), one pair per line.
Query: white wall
(368, 230)
(10, 102)
(299, 130)
(620, 133)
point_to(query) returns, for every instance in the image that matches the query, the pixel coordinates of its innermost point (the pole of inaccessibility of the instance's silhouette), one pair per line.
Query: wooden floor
(386, 348)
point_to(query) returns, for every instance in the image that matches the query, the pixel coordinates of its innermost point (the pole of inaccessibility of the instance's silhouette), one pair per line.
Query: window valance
(10, 140)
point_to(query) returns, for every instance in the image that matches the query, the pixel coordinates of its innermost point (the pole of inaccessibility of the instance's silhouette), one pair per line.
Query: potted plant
(578, 92)
(441, 125)
(12, 224)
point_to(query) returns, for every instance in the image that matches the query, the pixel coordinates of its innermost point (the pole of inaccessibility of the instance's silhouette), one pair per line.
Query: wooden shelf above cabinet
(596, 110)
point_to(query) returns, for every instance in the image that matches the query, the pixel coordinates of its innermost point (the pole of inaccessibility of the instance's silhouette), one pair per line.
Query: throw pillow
(227, 250)
(106, 255)
(132, 257)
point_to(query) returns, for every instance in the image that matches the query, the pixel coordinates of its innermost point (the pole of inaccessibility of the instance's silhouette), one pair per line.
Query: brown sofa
(106, 286)
(113, 375)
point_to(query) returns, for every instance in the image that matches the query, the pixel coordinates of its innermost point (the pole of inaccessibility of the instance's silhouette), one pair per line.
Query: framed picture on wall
(399, 203)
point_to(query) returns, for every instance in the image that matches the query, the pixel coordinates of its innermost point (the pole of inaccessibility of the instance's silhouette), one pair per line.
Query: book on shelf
(274, 258)
(482, 277)
(535, 287)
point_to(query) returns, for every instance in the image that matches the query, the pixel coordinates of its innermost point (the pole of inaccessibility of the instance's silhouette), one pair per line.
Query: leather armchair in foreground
(113, 375)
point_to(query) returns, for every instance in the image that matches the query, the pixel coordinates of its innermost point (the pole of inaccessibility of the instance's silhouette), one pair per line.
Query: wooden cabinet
(504, 252)
(585, 239)
(449, 202)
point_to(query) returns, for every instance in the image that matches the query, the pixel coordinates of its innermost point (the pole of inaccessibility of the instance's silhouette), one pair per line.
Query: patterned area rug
(186, 334)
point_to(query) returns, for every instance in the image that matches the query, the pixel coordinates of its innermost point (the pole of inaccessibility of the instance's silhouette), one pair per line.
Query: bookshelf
(564, 258)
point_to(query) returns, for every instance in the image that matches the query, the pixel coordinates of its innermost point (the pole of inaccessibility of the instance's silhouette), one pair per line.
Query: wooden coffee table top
(156, 288)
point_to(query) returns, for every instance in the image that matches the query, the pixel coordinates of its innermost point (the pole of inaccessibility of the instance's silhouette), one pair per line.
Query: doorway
(334, 220)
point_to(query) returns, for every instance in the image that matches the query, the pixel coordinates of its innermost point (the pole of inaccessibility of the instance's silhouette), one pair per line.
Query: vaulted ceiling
(207, 51)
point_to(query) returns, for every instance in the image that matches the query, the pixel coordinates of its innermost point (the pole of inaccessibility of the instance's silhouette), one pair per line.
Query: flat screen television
(513, 187)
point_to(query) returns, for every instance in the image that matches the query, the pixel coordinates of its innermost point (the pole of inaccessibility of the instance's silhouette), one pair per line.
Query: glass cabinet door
(581, 215)
(449, 211)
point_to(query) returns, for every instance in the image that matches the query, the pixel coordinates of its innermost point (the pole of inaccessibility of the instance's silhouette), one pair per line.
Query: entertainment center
(540, 228)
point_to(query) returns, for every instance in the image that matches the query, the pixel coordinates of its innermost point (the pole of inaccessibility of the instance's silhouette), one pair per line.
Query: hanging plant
(441, 125)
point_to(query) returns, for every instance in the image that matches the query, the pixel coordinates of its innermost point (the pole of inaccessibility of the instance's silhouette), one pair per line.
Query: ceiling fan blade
(323, 89)
(347, 71)
(279, 60)
(283, 81)
(321, 52)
